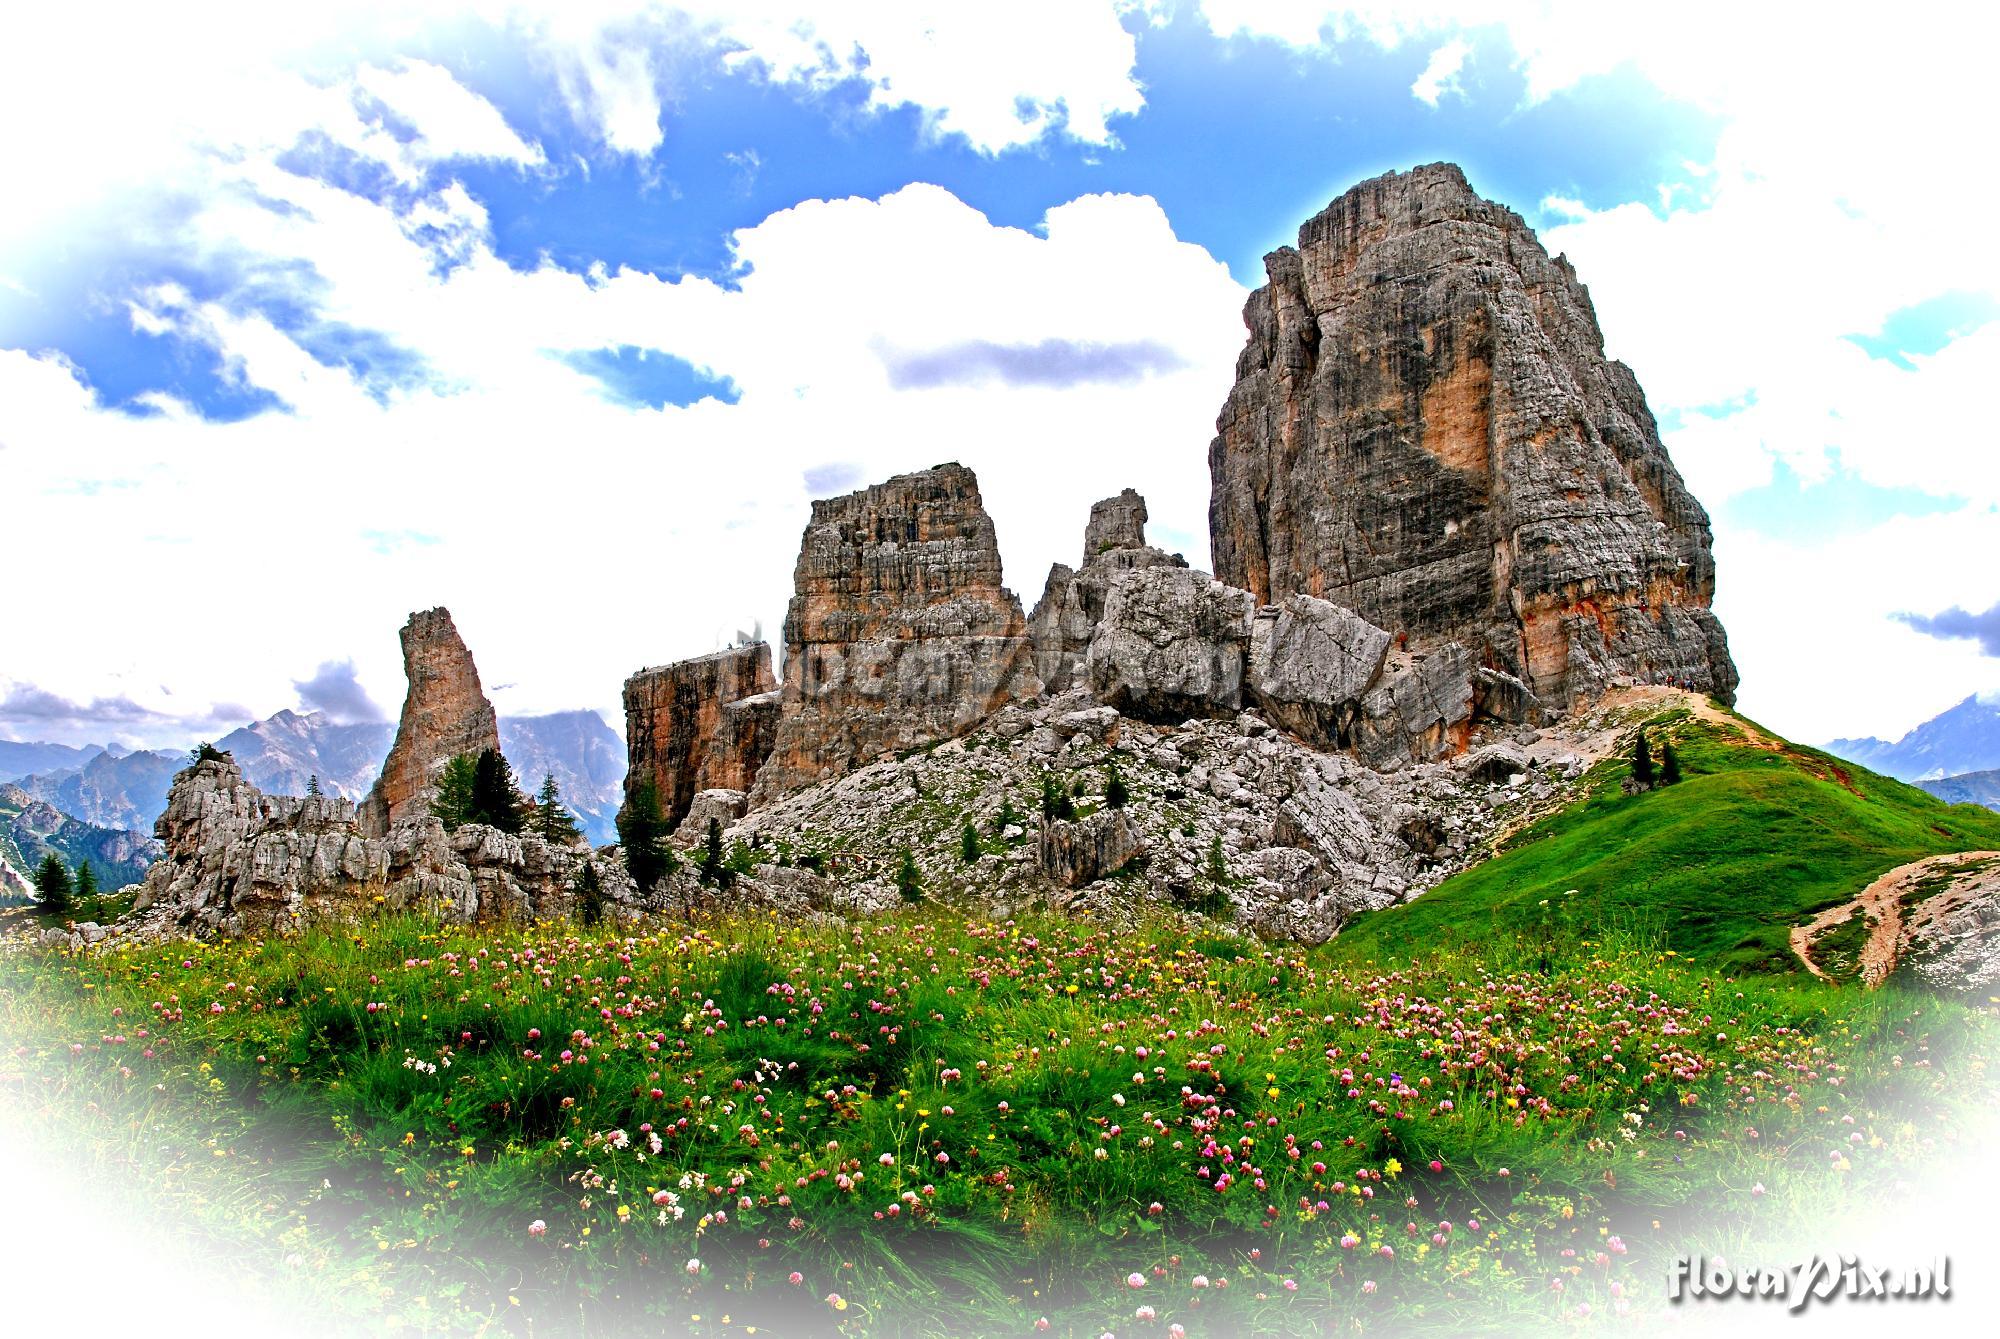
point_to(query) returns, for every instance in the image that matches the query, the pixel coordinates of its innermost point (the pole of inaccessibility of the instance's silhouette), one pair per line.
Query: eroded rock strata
(701, 724)
(900, 632)
(1424, 429)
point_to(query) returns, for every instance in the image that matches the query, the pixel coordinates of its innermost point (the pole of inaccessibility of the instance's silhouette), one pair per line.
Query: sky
(561, 316)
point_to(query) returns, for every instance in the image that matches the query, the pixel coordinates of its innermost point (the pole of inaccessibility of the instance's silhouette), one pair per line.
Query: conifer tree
(1670, 764)
(968, 844)
(1218, 866)
(1006, 818)
(642, 832)
(312, 786)
(88, 894)
(494, 801)
(589, 895)
(552, 818)
(1056, 803)
(1642, 761)
(1115, 793)
(712, 870)
(52, 882)
(452, 803)
(909, 879)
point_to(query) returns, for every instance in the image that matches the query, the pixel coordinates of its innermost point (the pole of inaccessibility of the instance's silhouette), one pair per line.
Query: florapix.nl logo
(1820, 1279)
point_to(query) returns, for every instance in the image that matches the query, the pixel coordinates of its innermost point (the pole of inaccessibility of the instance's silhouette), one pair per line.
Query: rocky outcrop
(445, 713)
(240, 862)
(1073, 599)
(701, 724)
(899, 632)
(1075, 852)
(1310, 665)
(1171, 645)
(1424, 429)
(1236, 819)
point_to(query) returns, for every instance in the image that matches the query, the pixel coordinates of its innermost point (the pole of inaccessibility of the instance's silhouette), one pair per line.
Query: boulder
(1171, 645)
(1311, 662)
(1073, 599)
(1073, 853)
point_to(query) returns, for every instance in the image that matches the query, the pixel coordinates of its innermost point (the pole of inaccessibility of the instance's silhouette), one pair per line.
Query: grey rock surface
(1425, 429)
(899, 632)
(1172, 645)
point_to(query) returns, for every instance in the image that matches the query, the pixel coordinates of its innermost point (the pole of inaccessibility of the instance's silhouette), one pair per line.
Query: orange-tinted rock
(899, 633)
(1425, 429)
(444, 714)
(701, 724)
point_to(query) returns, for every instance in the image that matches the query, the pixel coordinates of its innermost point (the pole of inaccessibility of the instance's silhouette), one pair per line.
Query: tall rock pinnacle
(444, 714)
(1425, 429)
(899, 633)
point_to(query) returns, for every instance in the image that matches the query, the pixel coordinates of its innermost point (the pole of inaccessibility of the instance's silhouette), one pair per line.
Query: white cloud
(574, 536)
(1440, 76)
(455, 123)
(1001, 77)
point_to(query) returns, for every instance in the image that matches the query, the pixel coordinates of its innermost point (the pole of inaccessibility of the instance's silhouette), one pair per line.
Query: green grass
(1720, 866)
(375, 1117)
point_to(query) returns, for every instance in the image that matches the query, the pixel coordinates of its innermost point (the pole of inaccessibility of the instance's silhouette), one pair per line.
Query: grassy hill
(1759, 834)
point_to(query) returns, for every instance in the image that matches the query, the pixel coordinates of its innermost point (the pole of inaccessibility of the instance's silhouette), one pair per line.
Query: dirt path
(1962, 874)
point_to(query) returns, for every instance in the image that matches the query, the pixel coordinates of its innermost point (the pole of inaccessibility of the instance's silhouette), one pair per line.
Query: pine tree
(494, 801)
(1218, 866)
(1006, 818)
(712, 869)
(589, 895)
(52, 882)
(642, 832)
(88, 894)
(452, 804)
(1115, 793)
(968, 844)
(1056, 803)
(1642, 761)
(552, 818)
(205, 752)
(1670, 764)
(909, 879)
(312, 786)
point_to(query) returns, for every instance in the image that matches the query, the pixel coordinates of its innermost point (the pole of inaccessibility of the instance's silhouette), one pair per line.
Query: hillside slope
(1760, 834)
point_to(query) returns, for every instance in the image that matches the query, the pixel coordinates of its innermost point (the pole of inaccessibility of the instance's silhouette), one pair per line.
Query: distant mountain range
(21, 759)
(1967, 788)
(110, 788)
(586, 757)
(1965, 738)
(30, 829)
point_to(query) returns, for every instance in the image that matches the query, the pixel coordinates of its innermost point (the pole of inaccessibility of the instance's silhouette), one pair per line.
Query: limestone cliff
(899, 632)
(701, 724)
(1424, 429)
(444, 714)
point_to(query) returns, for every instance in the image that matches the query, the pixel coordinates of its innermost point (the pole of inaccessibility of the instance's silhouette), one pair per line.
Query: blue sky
(577, 309)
